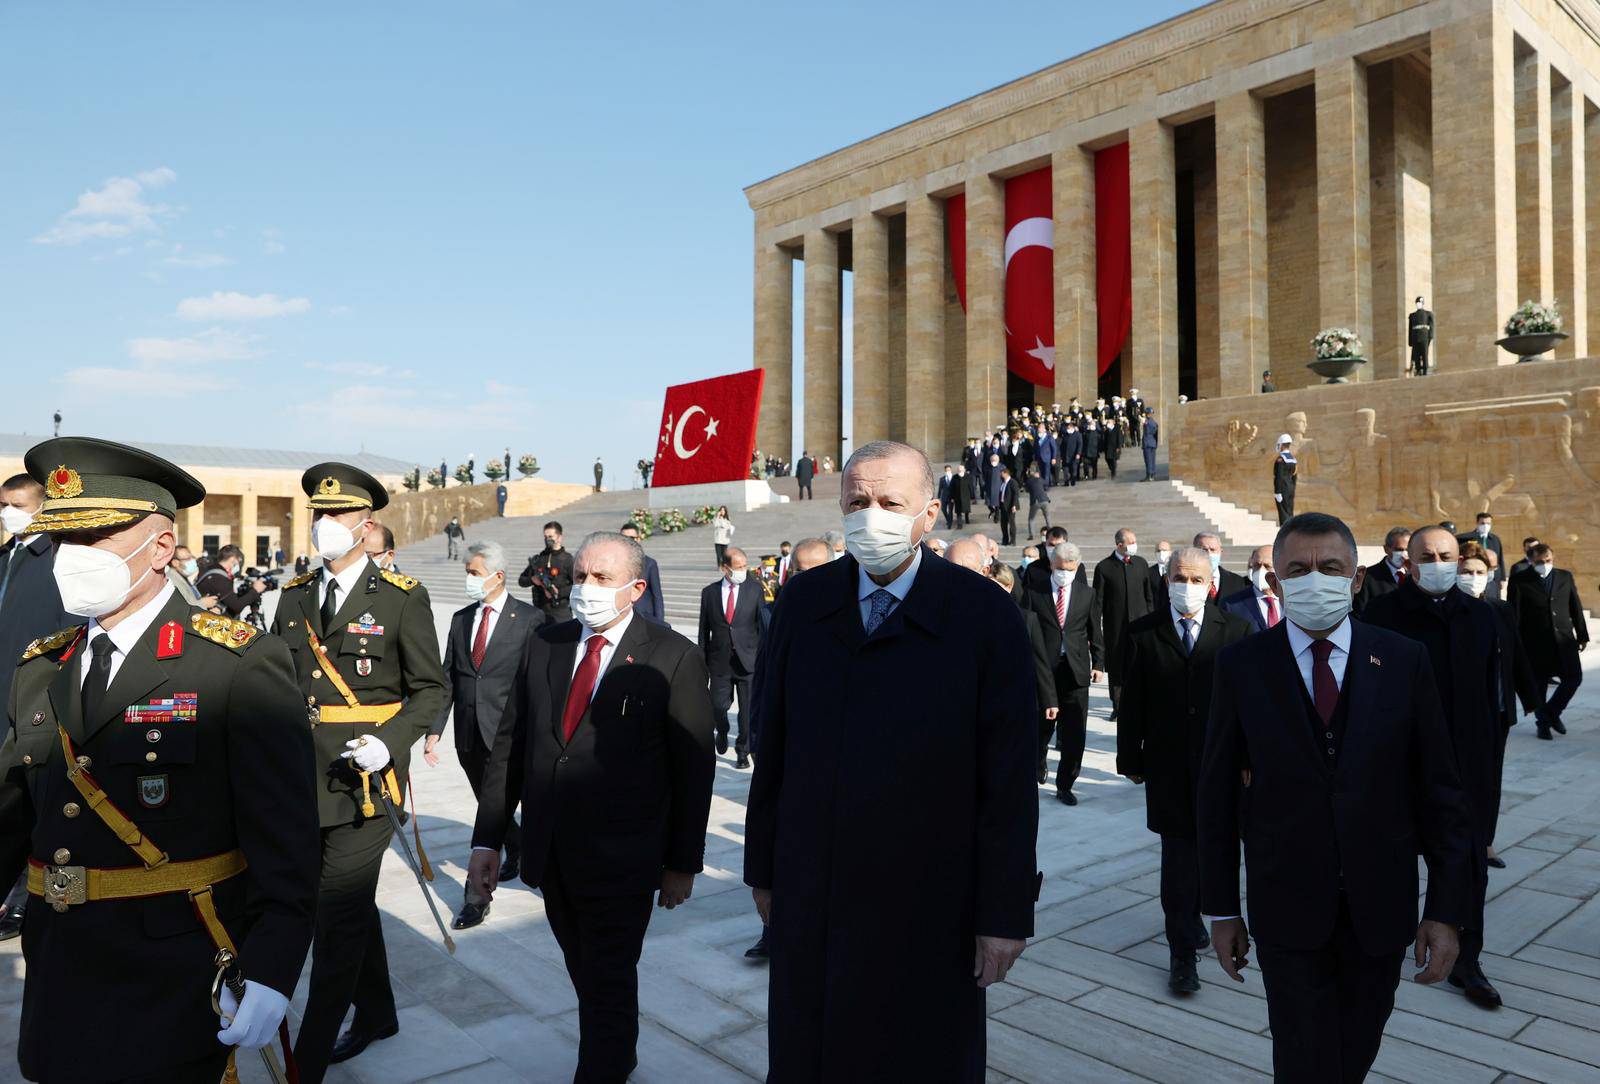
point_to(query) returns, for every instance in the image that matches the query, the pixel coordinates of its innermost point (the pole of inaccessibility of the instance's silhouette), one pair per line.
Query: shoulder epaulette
(52, 642)
(400, 580)
(224, 630)
(298, 580)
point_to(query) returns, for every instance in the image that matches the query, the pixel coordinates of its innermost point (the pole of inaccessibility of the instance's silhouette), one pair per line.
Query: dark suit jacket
(1551, 621)
(1044, 676)
(1083, 631)
(478, 697)
(1161, 719)
(805, 469)
(1123, 590)
(1308, 830)
(721, 643)
(1243, 604)
(32, 604)
(1008, 494)
(1381, 578)
(630, 794)
(651, 604)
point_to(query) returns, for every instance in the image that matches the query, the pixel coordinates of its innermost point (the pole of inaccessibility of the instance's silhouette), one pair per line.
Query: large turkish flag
(1030, 278)
(708, 430)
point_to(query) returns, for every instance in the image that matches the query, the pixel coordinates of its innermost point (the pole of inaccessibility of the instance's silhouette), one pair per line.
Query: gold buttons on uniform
(291, 624)
(363, 640)
(71, 809)
(26, 759)
(362, 651)
(151, 755)
(62, 856)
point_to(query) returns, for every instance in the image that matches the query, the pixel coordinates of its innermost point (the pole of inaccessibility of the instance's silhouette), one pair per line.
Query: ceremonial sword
(230, 975)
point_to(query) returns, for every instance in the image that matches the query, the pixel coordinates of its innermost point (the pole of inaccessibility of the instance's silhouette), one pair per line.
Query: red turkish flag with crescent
(1030, 278)
(708, 430)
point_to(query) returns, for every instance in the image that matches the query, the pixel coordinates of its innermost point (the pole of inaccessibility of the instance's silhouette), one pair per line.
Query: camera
(268, 576)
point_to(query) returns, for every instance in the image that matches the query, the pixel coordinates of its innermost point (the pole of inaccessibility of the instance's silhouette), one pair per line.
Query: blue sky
(429, 230)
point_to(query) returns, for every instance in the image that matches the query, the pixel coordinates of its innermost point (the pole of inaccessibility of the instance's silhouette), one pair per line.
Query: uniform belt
(358, 713)
(67, 886)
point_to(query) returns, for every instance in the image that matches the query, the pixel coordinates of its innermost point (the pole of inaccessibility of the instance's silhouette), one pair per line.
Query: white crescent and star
(677, 436)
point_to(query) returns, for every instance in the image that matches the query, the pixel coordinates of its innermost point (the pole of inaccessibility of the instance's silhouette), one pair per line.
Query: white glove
(1278, 497)
(368, 754)
(255, 1023)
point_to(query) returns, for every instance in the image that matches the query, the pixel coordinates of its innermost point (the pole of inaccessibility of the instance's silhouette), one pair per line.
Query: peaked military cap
(339, 487)
(92, 484)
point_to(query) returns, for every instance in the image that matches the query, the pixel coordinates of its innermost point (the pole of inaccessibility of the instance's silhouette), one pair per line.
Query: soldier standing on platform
(367, 657)
(157, 785)
(1419, 329)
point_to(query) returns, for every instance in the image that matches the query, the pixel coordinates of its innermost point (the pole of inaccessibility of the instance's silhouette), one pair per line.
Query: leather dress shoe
(1557, 725)
(510, 868)
(1496, 862)
(11, 922)
(1544, 734)
(722, 743)
(354, 1042)
(1182, 977)
(1042, 775)
(758, 951)
(1476, 985)
(1066, 797)
(471, 914)
(743, 761)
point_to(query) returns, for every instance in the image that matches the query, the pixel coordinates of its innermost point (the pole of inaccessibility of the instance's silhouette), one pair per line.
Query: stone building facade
(1294, 165)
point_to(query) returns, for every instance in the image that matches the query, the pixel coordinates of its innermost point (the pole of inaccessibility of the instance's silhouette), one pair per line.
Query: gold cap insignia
(328, 487)
(63, 482)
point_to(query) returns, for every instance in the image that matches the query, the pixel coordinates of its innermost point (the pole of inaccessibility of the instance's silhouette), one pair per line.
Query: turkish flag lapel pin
(1374, 660)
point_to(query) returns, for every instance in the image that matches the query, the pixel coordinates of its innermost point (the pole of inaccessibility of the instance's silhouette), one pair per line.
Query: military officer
(157, 785)
(367, 657)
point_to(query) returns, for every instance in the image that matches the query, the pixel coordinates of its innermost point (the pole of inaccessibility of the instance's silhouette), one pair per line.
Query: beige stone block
(1535, 237)
(823, 346)
(1591, 200)
(869, 266)
(925, 324)
(1072, 202)
(1474, 194)
(774, 347)
(986, 346)
(1241, 157)
(1344, 198)
(1294, 310)
(249, 526)
(1402, 177)
(1207, 283)
(1569, 217)
(1153, 198)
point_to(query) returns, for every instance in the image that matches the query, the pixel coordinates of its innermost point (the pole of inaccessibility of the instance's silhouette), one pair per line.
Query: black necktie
(94, 685)
(330, 607)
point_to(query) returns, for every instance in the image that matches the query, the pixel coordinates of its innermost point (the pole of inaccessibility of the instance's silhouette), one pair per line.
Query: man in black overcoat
(1550, 618)
(876, 977)
(1122, 587)
(1069, 616)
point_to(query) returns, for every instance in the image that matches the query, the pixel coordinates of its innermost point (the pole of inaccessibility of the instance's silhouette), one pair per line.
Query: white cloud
(236, 306)
(409, 410)
(180, 257)
(117, 208)
(362, 370)
(213, 344)
(272, 242)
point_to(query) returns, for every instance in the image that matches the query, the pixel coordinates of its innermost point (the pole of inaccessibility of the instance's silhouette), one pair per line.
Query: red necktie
(480, 642)
(1061, 606)
(1272, 610)
(583, 683)
(1400, 578)
(1211, 594)
(733, 598)
(784, 578)
(1325, 691)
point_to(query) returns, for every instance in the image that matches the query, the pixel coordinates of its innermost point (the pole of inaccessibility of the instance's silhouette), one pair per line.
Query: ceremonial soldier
(157, 786)
(367, 657)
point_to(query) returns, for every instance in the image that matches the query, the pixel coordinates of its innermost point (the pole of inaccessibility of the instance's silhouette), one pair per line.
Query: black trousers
(948, 507)
(722, 552)
(1327, 1006)
(1091, 466)
(348, 961)
(1111, 464)
(1072, 472)
(1285, 508)
(600, 939)
(1008, 525)
(805, 491)
(205, 1071)
(1071, 726)
(1180, 895)
(1569, 672)
(473, 759)
(725, 685)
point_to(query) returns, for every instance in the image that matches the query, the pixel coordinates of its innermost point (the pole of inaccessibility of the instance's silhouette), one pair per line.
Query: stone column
(1242, 241)
(1535, 236)
(1153, 182)
(986, 343)
(824, 363)
(774, 349)
(1344, 247)
(192, 522)
(1474, 196)
(247, 526)
(925, 376)
(1569, 212)
(869, 265)
(1591, 201)
(299, 541)
(1072, 202)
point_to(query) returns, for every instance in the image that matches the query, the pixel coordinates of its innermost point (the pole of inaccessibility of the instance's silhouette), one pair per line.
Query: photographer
(218, 578)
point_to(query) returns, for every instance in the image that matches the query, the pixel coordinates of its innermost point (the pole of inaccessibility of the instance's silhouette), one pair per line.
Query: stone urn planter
(1528, 347)
(1336, 370)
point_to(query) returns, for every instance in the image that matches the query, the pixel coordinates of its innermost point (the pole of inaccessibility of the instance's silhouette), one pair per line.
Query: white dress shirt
(899, 587)
(730, 590)
(1300, 644)
(612, 637)
(124, 636)
(1261, 604)
(346, 580)
(488, 610)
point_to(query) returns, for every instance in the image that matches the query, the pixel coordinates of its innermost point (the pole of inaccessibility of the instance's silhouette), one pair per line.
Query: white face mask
(14, 519)
(1543, 568)
(1398, 558)
(1258, 580)
(478, 586)
(331, 539)
(595, 605)
(1473, 583)
(190, 567)
(1436, 577)
(1216, 563)
(1316, 601)
(1162, 557)
(1188, 598)
(878, 538)
(736, 576)
(1483, 530)
(94, 582)
(1062, 576)
(1132, 548)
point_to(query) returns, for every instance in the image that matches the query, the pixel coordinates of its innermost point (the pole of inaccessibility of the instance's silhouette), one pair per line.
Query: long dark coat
(1125, 595)
(883, 868)
(1551, 621)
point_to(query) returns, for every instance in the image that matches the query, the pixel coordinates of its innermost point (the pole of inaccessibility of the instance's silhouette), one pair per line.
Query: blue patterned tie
(1188, 634)
(882, 602)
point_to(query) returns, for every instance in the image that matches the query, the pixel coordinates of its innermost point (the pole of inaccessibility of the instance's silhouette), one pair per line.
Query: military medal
(177, 708)
(363, 667)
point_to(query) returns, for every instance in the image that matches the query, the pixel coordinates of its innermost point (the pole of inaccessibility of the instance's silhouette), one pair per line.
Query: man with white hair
(1283, 470)
(878, 972)
(1069, 615)
(481, 654)
(835, 541)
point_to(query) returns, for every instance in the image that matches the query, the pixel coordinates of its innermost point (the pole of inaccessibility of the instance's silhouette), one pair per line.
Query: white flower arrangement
(1337, 342)
(1532, 318)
